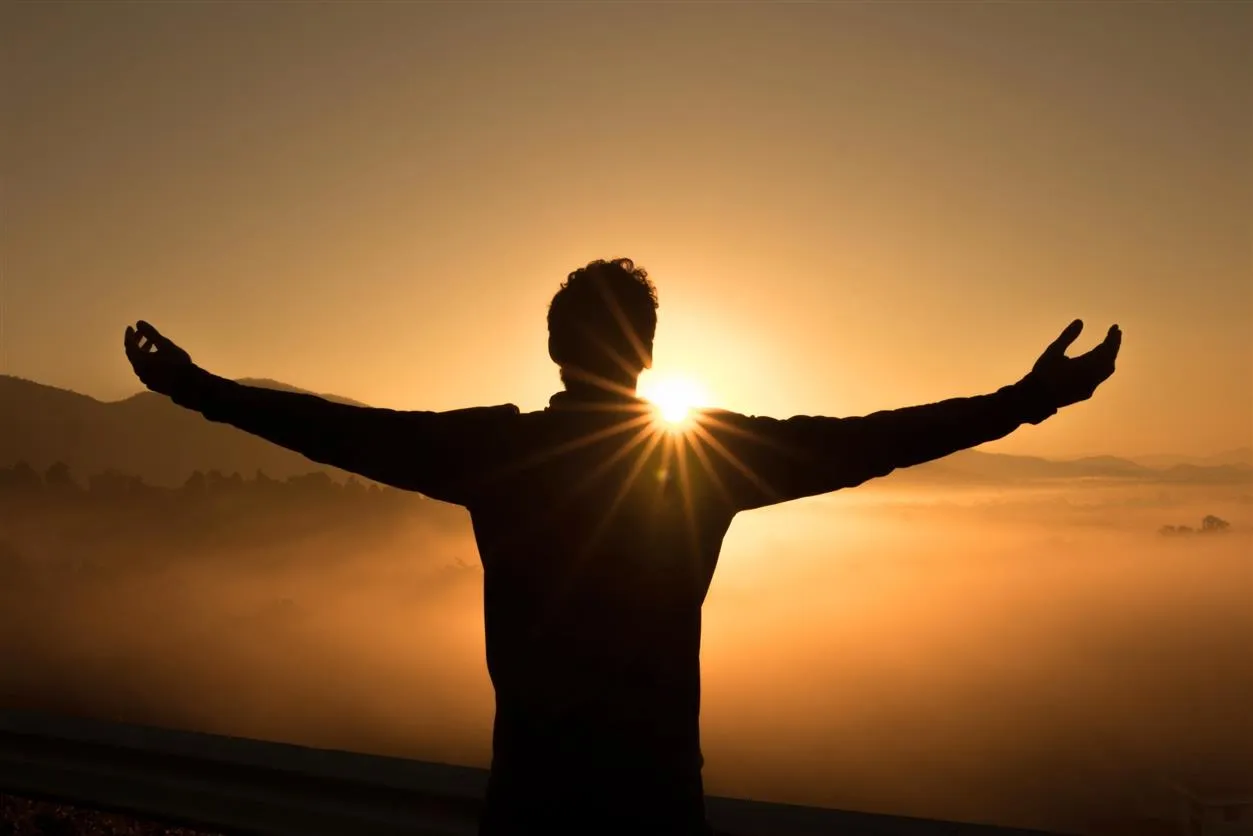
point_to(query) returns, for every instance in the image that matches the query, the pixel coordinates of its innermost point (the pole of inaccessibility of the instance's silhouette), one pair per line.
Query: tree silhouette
(1214, 524)
(215, 482)
(313, 484)
(21, 478)
(59, 479)
(1210, 525)
(195, 484)
(113, 484)
(262, 494)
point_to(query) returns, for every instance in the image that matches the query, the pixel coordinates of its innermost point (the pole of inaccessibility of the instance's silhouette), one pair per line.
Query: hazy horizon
(1149, 455)
(1030, 657)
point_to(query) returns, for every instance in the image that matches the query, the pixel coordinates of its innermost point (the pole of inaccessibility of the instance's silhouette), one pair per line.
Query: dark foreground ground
(21, 816)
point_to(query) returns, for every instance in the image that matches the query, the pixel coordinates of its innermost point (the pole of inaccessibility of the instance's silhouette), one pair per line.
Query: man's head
(601, 324)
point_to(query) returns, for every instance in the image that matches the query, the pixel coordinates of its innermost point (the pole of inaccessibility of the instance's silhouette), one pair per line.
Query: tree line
(1209, 525)
(59, 482)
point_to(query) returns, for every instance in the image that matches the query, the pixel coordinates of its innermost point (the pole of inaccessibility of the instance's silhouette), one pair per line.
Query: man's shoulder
(715, 412)
(713, 418)
(479, 422)
(505, 410)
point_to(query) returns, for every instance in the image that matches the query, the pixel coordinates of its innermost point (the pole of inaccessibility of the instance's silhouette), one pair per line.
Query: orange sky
(845, 206)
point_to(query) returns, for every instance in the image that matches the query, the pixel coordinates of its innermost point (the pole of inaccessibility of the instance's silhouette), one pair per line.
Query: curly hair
(603, 319)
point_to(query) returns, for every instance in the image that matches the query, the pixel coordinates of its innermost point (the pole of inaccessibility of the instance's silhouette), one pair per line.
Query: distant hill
(1239, 456)
(149, 436)
(144, 434)
(266, 383)
(977, 467)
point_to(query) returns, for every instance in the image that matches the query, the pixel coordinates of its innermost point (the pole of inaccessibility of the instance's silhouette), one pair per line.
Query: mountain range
(148, 436)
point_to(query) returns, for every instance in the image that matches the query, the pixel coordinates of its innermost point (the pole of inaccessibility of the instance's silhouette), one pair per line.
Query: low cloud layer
(1028, 658)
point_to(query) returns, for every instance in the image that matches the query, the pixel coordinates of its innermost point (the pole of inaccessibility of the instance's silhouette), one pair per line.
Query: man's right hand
(160, 364)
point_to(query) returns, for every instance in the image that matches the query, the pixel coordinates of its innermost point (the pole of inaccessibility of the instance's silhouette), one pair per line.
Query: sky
(846, 207)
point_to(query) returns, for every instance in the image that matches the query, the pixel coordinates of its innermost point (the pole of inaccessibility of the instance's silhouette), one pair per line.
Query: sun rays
(668, 436)
(674, 397)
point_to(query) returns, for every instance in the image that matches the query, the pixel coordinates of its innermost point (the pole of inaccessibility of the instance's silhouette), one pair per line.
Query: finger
(138, 351)
(132, 343)
(136, 339)
(1110, 345)
(172, 349)
(1068, 336)
(158, 342)
(151, 334)
(1098, 364)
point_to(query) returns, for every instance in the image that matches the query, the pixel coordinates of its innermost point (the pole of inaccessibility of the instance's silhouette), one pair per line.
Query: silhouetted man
(599, 530)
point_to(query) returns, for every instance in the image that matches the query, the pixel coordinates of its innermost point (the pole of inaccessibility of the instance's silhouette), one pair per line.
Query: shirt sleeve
(761, 461)
(443, 455)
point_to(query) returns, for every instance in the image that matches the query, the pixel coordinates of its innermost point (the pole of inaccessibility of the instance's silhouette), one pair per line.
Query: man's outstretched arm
(429, 452)
(767, 461)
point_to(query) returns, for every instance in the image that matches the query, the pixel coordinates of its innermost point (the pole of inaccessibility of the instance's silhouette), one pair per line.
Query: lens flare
(674, 397)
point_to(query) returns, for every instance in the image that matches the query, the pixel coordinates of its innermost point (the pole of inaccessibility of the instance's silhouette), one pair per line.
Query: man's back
(599, 533)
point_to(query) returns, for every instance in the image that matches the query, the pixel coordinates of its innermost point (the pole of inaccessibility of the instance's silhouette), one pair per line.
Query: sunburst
(674, 397)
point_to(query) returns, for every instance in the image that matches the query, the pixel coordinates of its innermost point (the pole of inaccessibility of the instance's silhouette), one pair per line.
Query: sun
(674, 396)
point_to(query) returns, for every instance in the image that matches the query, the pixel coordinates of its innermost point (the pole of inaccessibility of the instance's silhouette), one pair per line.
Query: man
(599, 530)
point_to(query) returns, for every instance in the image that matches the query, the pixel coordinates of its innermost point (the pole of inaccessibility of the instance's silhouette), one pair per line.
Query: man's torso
(599, 531)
